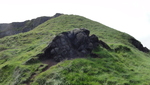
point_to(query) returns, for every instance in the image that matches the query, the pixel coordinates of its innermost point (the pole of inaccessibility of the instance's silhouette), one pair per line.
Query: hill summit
(60, 51)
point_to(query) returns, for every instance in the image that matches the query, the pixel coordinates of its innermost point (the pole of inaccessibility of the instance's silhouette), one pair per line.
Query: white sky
(130, 16)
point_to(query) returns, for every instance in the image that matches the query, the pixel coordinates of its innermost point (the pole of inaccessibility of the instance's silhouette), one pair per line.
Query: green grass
(111, 69)
(123, 65)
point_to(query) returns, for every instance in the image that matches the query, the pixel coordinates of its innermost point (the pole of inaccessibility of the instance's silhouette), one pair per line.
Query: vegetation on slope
(123, 68)
(123, 65)
(21, 27)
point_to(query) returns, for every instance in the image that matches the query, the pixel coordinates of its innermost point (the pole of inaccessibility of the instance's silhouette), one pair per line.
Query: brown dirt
(50, 63)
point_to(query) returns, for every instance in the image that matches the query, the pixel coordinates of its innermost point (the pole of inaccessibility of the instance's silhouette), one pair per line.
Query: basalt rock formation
(138, 45)
(72, 44)
(20, 27)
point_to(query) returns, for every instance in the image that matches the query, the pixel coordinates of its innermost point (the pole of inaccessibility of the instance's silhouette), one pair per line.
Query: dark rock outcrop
(138, 45)
(19, 27)
(103, 44)
(72, 44)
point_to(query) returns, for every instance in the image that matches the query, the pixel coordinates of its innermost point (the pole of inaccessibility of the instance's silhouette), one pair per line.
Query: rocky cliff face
(72, 44)
(19, 27)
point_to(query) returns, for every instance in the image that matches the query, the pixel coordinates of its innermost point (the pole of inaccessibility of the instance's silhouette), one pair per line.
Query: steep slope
(20, 27)
(124, 64)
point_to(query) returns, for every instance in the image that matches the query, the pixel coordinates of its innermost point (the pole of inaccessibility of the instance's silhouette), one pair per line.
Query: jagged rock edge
(72, 44)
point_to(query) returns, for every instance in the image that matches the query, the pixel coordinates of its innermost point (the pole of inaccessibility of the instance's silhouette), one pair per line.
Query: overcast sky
(130, 16)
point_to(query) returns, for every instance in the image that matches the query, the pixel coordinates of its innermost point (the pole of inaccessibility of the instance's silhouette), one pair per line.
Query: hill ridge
(124, 64)
(7, 29)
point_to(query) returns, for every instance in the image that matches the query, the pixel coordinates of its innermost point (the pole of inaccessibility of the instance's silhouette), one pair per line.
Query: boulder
(72, 44)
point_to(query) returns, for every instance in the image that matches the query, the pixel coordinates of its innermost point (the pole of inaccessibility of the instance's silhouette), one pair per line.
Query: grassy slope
(124, 65)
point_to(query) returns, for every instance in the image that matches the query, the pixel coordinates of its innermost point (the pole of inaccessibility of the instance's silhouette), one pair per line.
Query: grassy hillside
(123, 65)
(8, 29)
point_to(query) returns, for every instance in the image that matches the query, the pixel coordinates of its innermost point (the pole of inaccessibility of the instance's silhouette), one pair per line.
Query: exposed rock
(72, 44)
(103, 44)
(138, 45)
(19, 27)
